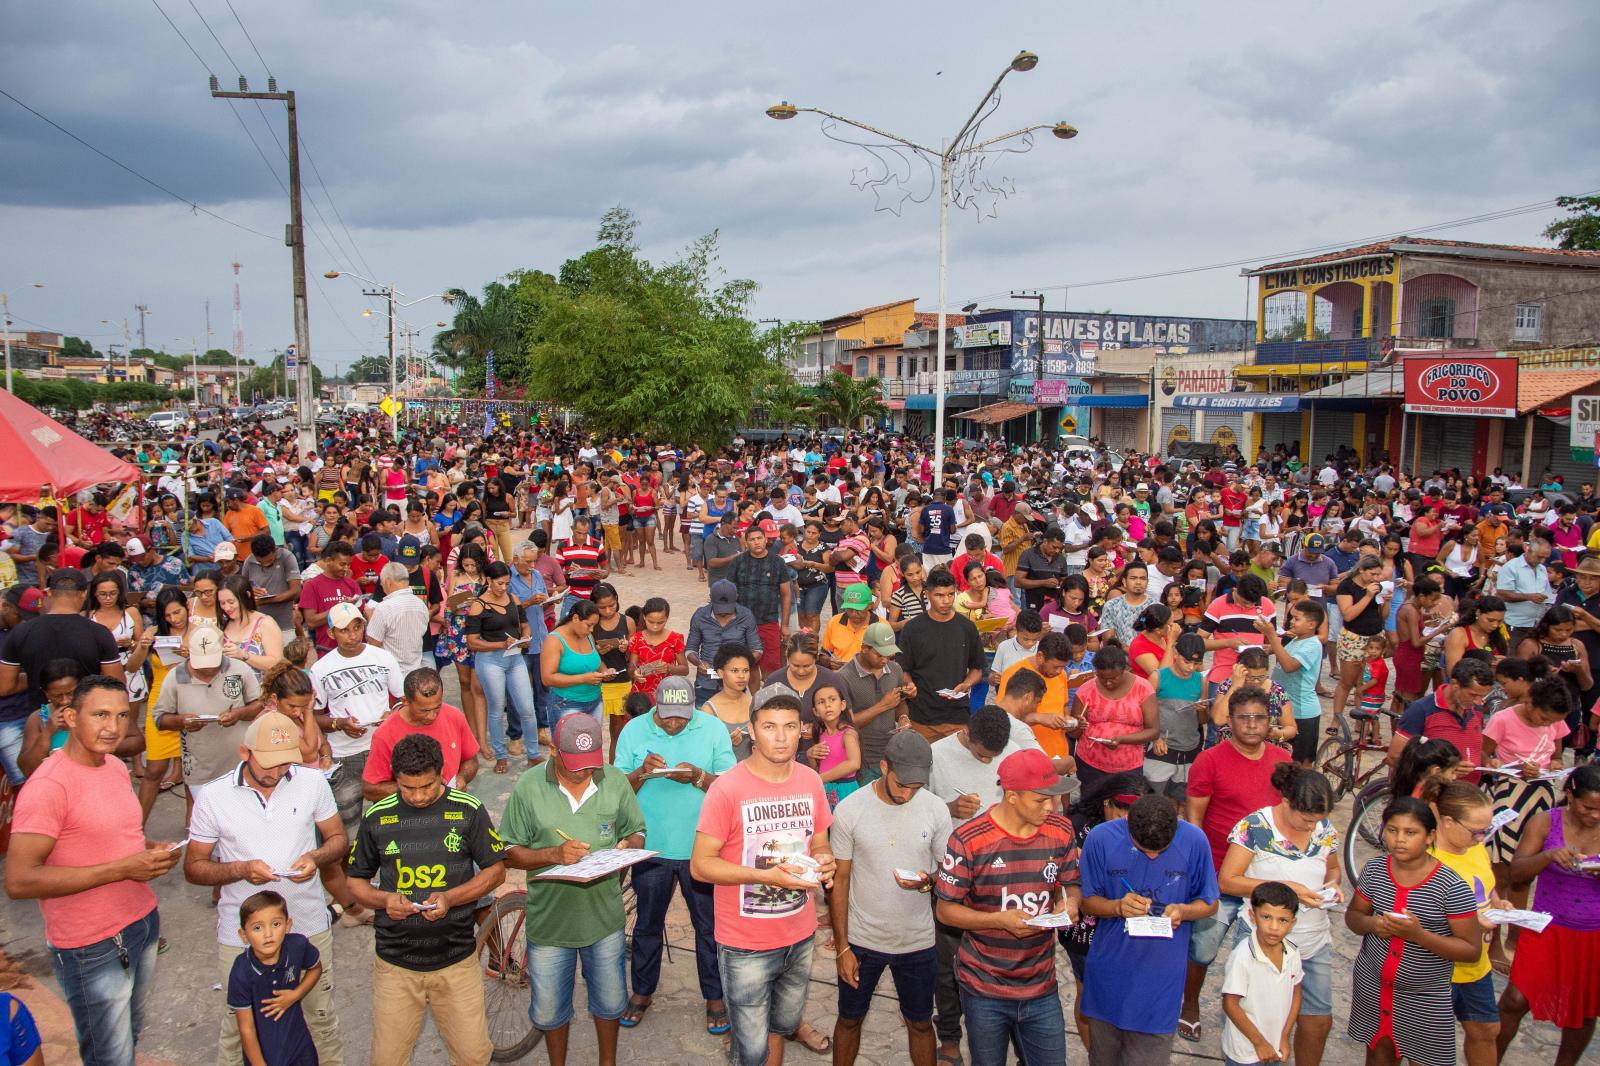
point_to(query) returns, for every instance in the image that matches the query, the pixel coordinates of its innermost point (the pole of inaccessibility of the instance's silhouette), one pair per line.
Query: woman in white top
(247, 635)
(1294, 842)
(561, 513)
(1459, 557)
(107, 596)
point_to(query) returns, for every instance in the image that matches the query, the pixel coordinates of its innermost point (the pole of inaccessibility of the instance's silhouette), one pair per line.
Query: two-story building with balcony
(1334, 330)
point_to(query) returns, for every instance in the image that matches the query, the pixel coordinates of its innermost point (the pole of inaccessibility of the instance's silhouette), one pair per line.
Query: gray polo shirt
(213, 749)
(865, 690)
(275, 578)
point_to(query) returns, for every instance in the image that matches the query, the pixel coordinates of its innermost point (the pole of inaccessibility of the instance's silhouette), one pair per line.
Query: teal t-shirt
(1300, 686)
(672, 808)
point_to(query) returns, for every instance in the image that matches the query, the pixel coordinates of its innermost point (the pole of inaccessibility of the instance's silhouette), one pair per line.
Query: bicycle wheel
(1363, 841)
(1337, 763)
(503, 956)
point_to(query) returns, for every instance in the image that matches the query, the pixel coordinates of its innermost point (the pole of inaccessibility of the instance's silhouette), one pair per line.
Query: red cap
(769, 527)
(30, 601)
(1030, 770)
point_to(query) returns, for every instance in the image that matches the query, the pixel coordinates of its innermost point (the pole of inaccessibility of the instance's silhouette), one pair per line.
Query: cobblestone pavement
(187, 1002)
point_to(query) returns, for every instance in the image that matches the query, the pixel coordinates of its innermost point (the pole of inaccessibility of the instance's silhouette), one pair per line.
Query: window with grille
(1529, 323)
(1436, 318)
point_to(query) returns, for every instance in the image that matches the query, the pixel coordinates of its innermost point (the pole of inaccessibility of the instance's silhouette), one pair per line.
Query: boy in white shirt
(1261, 987)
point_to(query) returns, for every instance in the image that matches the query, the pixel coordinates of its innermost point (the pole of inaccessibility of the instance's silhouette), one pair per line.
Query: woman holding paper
(1556, 973)
(497, 635)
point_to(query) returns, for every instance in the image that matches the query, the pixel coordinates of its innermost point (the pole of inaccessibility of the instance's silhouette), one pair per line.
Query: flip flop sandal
(1190, 1031)
(635, 1012)
(951, 1058)
(820, 1044)
(717, 1021)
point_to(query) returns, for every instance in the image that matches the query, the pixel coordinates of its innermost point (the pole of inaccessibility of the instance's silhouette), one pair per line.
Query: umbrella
(40, 451)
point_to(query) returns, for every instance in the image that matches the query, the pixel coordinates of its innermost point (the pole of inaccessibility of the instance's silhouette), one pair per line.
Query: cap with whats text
(273, 739)
(880, 638)
(724, 596)
(225, 551)
(205, 647)
(857, 597)
(675, 698)
(1030, 770)
(578, 742)
(910, 757)
(342, 614)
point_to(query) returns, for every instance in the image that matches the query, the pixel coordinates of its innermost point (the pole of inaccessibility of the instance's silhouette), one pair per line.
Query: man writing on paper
(555, 816)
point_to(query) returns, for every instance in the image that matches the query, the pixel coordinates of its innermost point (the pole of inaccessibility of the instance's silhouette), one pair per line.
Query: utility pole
(143, 310)
(295, 238)
(194, 364)
(238, 341)
(387, 292)
(127, 359)
(1038, 355)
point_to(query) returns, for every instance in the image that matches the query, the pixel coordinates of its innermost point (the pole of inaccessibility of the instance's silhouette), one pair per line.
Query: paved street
(184, 1009)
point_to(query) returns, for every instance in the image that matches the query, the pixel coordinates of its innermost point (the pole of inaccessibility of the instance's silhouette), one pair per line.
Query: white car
(169, 420)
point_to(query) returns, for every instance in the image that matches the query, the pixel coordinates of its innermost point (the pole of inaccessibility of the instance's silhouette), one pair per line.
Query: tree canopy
(1581, 231)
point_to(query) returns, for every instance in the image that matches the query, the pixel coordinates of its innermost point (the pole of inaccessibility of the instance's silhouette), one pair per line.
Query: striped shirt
(988, 869)
(1225, 620)
(583, 557)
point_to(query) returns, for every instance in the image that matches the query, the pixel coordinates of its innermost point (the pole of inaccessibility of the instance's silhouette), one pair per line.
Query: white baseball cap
(343, 614)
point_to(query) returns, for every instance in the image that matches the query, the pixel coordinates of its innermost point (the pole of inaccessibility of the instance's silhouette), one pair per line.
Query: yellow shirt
(1473, 867)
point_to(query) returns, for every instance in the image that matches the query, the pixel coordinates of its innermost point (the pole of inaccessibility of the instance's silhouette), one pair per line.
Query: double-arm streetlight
(962, 146)
(389, 294)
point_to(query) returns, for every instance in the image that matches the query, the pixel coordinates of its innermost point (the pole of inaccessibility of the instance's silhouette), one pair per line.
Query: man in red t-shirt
(1233, 503)
(333, 585)
(1226, 783)
(422, 711)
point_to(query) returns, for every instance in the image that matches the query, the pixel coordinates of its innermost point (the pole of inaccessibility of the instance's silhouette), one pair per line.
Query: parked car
(169, 421)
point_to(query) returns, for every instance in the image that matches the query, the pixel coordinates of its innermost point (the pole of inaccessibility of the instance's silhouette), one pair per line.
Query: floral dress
(451, 646)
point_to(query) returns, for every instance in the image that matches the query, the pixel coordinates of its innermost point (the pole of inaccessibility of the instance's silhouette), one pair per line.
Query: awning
(1238, 401)
(1290, 370)
(1099, 399)
(996, 413)
(1375, 385)
(922, 401)
(1537, 388)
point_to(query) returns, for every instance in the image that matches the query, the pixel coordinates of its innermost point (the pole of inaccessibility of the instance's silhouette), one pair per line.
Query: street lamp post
(388, 292)
(956, 149)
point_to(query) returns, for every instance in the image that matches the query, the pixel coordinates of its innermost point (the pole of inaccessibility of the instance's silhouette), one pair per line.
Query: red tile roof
(1445, 248)
(1537, 388)
(930, 319)
(865, 311)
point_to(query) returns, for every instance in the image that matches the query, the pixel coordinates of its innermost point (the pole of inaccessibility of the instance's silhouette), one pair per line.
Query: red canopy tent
(37, 451)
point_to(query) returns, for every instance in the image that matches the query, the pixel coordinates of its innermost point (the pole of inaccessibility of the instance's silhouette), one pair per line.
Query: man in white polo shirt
(400, 620)
(258, 826)
(355, 685)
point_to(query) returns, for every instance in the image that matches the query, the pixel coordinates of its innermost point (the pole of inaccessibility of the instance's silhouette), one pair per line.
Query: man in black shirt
(1041, 570)
(941, 652)
(61, 632)
(435, 853)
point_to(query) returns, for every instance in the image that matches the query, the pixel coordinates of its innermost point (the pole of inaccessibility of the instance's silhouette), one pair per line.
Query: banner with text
(1462, 384)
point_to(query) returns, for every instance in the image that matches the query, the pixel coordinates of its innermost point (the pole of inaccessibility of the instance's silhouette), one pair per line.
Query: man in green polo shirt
(556, 815)
(671, 756)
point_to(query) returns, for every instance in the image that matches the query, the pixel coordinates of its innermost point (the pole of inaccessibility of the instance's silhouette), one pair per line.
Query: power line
(147, 180)
(1488, 216)
(225, 53)
(249, 38)
(334, 207)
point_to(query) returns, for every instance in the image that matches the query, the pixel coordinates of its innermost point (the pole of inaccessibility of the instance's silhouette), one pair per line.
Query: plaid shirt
(760, 581)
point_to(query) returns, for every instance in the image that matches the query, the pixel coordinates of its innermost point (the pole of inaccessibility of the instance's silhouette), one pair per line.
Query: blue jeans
(298, 546)
(653, 882)
(765, 993)
(553, 971)
(561, 706)
(1036, 1024)
(541, 692)
(1205, 940)
(11, 734)
(913, 973)
(106, 985)
(505, 674)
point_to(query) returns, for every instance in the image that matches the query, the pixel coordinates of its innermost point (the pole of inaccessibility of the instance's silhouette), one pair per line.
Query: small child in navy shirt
(268, 981)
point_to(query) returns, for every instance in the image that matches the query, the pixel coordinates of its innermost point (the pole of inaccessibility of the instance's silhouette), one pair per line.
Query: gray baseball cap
(675, 698)
(910, 757)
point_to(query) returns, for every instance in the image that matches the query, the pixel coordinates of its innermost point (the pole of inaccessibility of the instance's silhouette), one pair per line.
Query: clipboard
(990, 625)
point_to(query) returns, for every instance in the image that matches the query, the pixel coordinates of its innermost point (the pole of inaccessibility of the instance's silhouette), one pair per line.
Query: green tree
(78, 348)
(499, 320)
(1581, 232)
(850, 400)
(268, 380)
(369, 368)
(636, 347)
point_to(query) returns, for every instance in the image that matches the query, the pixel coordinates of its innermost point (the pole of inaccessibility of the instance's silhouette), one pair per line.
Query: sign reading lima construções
(1461, 385)
(1373, 266)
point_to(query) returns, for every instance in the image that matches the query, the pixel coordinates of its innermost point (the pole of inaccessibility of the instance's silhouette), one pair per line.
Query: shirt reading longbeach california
(763, 824)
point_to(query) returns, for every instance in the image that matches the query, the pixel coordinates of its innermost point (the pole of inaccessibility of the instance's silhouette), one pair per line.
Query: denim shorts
(913, 974)
(1316, 983)
(766, 993)
(1206, 938)
(1475, 1001)
(552, 973)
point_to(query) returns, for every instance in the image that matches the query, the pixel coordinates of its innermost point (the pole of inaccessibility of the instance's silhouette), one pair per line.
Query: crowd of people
(932, 723)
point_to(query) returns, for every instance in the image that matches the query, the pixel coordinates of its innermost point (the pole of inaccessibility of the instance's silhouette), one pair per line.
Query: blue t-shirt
(939, 529)
(1154, 966)
(19, 1036)
(287, 1040)
(1300, 686)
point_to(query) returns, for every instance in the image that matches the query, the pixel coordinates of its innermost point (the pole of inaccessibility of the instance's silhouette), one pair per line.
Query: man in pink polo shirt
(78, 847)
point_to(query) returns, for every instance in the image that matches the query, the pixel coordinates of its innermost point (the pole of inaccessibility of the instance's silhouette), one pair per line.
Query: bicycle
(1339, 757)
(503, 958)
(1363, 840)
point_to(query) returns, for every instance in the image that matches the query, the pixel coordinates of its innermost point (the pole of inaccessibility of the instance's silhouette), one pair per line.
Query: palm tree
(478, 327)
(850, 400)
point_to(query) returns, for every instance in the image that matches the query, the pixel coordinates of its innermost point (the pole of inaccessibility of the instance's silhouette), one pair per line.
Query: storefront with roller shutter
(1176, 425)
(1552, 451)
(1329, 429)
(1279, 429)
(1228, 429)
(1447, 443)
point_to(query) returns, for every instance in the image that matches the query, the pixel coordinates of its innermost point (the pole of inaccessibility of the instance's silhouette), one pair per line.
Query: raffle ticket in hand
(1533, 920)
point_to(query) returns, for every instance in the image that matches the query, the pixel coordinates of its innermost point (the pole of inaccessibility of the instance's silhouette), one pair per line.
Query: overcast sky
(462, 141)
